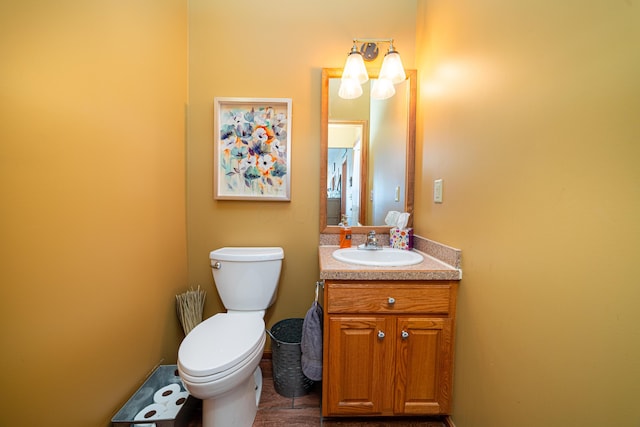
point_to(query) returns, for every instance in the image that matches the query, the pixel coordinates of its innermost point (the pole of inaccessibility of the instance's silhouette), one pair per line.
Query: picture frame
(252, 149)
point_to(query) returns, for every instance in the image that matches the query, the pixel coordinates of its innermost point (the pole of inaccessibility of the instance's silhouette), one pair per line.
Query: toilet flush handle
(216, 265)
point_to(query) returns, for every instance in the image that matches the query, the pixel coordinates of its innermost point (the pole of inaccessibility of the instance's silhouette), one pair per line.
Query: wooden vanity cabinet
(388, 347)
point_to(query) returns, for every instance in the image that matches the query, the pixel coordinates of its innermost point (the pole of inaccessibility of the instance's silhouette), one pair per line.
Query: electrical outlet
(437, 191)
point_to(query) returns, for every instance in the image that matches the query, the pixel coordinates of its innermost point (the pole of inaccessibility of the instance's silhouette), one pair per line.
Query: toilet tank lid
(244, 254)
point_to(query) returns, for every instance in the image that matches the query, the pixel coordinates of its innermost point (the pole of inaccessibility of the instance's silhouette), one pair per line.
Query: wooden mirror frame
(328, 73)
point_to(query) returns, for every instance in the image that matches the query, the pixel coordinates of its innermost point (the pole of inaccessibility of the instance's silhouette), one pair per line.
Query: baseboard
(448, 421)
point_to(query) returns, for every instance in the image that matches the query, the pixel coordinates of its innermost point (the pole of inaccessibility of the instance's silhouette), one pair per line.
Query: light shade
(392, 68)
(350, 88)
(354, 67)
(382, 89)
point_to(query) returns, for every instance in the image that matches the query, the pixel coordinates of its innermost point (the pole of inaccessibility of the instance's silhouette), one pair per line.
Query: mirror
(367, 154)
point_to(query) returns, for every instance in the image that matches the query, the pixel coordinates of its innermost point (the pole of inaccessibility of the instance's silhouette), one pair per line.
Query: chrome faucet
(372, 242)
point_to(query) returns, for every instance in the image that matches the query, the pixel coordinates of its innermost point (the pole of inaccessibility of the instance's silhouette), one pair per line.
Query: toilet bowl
(218, 360)
(218, 363)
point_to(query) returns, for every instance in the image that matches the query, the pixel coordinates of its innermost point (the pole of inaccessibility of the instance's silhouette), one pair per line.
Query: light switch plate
(437, 191)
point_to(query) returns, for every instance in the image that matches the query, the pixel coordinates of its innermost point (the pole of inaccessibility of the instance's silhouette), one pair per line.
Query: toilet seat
(218, 346)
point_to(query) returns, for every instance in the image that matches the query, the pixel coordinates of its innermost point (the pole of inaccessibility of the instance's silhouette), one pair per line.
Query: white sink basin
(387, 257)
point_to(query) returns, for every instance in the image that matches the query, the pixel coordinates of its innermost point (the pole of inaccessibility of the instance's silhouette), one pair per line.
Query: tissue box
(163, 377)
(401, 238)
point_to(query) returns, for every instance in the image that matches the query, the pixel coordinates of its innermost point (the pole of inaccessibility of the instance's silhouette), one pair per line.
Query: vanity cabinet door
(423, 365)
(359, 375)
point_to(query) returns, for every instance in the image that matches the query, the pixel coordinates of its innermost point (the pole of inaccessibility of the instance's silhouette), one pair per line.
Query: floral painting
(252, 148)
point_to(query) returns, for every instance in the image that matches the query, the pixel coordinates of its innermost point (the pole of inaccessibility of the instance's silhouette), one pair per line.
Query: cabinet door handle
(391, 300)
(404, 335)
(380, 335)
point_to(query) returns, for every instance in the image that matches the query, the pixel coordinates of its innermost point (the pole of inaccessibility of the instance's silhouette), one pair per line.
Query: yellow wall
(92, 203)
(529, 113)
(275, 50)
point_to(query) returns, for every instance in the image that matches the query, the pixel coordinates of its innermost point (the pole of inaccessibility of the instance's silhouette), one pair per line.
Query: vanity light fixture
(354, 68)
(355, 72)
(392, 68)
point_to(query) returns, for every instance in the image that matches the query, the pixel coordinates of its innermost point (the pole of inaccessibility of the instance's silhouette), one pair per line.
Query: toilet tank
(246, 277)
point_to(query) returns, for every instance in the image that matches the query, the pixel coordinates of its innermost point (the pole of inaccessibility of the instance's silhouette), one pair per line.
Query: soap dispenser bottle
(345, 233)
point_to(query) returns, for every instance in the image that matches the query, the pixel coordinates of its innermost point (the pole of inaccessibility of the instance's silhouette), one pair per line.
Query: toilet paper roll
(173, 406)
(166, 393)
(155, 411)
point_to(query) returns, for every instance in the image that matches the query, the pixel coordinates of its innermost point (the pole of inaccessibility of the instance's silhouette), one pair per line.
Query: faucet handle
(372, 240)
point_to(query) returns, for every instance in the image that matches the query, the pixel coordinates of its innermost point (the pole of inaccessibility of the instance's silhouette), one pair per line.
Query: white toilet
(218, 360)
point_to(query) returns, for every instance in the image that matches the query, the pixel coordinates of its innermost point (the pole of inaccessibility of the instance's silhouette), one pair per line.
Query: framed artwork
(252, 152)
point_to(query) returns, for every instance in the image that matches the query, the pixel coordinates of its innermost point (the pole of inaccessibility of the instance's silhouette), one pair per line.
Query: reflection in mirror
(347, 171)
(367, 154)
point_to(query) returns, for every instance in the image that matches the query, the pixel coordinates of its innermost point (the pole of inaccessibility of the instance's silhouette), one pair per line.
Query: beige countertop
(430, 268)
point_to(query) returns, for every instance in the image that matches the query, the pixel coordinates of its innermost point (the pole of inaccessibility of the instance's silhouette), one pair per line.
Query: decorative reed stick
(190, 306)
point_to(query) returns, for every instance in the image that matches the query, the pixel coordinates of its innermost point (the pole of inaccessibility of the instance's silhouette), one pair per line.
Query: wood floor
(304, 411)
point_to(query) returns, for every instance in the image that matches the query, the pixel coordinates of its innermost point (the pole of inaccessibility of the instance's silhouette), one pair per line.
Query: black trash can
(288, 379)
